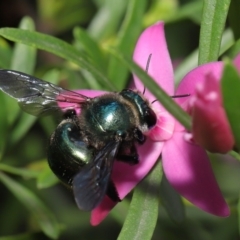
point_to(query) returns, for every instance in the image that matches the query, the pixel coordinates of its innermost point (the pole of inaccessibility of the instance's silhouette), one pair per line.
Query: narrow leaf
(55, 46)
(212, 26)
(127, 37)
(23, 172)
(107, 19)
(91, 47)
(24, 57)
(46, 178)
(234, 50)
(143, 212)
(172, 201)
(5, 53)
(43, 216)
(25, 122)
(231, 100)
(235, 155)
(3, 124)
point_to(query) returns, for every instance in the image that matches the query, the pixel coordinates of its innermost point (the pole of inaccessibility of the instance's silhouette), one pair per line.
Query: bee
(93, 133)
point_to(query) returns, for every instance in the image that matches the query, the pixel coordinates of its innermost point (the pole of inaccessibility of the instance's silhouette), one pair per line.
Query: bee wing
(36, 96)
(90, 185)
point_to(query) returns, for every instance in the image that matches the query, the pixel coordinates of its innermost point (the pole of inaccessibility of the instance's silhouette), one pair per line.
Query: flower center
(163, 129)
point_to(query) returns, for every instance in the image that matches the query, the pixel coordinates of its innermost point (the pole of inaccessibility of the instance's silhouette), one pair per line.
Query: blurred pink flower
(210, 126)
(186, 165)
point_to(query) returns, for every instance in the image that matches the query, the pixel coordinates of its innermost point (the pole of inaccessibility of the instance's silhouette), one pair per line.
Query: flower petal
(152, 41)
(126, 177)
(210, 126)
(188, 170)
(196, 76)
(211, 129)
(99, 213)
(164, 127)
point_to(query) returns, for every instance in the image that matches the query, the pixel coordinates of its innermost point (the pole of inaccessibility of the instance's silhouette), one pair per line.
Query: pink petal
(152, 41)
(126, 177)
(210, 126)
(99, 213)
(164, 127)
(196, 76)
(188, 170)
(211, 129)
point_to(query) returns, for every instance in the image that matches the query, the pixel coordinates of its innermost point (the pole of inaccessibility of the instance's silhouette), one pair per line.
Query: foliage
(89, 45)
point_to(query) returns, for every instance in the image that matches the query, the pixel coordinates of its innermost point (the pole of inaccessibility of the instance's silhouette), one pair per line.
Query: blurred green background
(33, 204)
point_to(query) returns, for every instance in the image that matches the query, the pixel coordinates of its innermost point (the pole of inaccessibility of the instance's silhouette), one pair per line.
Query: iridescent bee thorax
(108, 117)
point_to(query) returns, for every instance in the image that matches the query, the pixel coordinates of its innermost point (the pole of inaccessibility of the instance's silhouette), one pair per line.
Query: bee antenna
(181, 96)
(154, 101)
(144, 90)
(148, 62)
(147, 67)
(175, 96)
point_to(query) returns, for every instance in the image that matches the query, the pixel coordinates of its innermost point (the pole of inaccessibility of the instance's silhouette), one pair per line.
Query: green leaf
(55, 46)
(127, 37)
(24, 123)
(23, 236)
(143, 212)
(23, 172)
(107, 19)
(91, 47)
(43, 216)
(234, 50)
(25, 63)
(86, 44)
(24, 57)
(212, 26)
(159, 93)
(234, 154)
(231, 91)
(5, 53)
(172, 201)
(164, 10)
(46, 178)
(3, 124)
(61, 16)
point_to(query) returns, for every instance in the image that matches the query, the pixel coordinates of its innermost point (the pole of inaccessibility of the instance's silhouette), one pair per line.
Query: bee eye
(150, 118)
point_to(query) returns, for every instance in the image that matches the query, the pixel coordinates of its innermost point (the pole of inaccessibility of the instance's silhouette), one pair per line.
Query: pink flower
(210, 127)
(185, 164)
